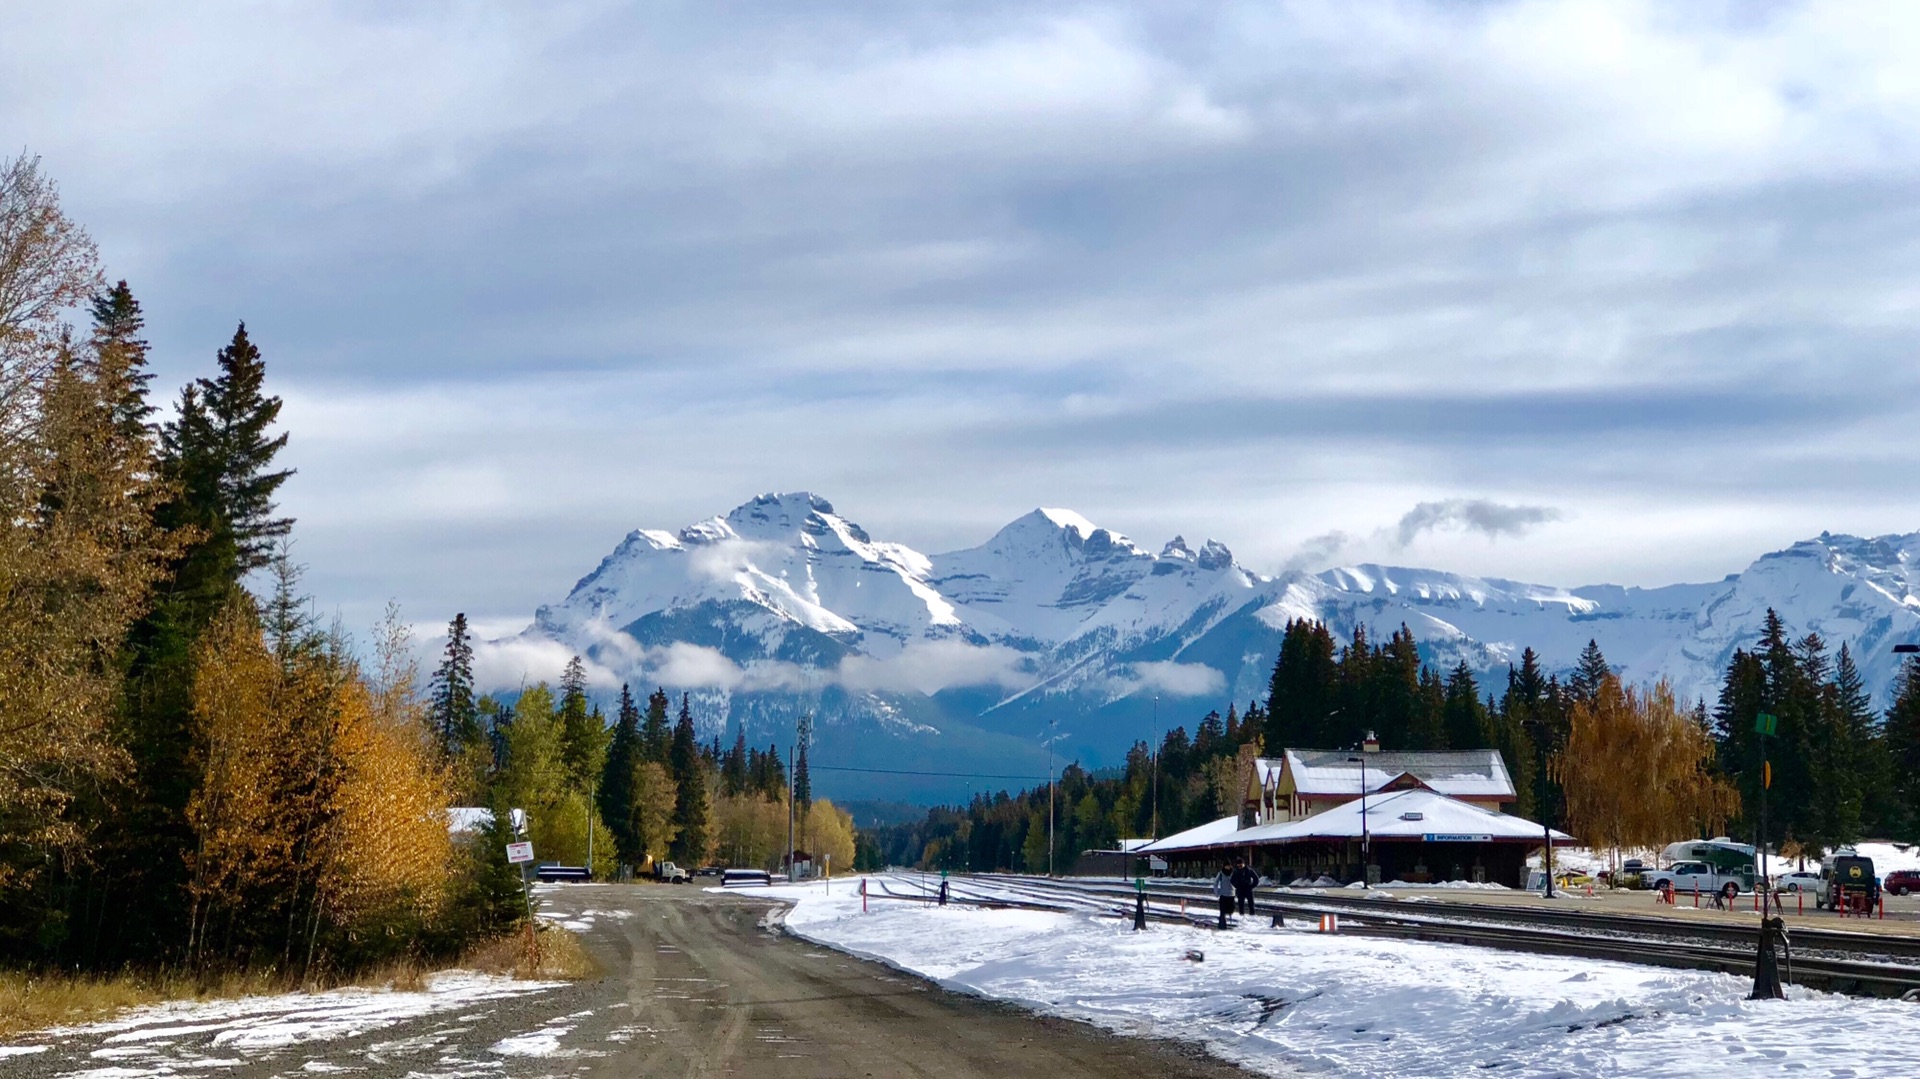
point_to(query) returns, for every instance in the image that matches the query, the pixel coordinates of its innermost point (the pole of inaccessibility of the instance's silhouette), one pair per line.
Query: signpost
(520, 853)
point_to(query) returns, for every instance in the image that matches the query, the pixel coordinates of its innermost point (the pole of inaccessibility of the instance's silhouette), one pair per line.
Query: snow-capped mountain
(962, 660)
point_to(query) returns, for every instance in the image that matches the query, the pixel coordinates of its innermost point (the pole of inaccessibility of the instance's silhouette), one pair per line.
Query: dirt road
(696, 984)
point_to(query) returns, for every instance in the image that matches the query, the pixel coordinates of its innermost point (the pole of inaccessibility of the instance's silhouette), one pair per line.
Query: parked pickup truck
(669, 873)
(1687, 876)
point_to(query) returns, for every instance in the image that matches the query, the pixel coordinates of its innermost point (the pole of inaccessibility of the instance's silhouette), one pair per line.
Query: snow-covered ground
(1289, 1000)
(165, 1039)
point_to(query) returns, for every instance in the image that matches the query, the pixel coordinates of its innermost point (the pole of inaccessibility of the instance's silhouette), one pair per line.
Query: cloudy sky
(1568, 292)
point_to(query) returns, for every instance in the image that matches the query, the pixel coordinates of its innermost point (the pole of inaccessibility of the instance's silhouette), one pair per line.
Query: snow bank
(1285, 1000)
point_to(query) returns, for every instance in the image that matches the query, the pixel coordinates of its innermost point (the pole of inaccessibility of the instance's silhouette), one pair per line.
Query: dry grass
(561, 955)
(37, 1001)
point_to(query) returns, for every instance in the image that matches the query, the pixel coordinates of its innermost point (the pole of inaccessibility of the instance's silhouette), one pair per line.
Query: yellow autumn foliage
(1638, 770)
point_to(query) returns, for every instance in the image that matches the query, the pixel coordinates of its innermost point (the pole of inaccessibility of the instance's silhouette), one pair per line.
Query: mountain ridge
(783, 605)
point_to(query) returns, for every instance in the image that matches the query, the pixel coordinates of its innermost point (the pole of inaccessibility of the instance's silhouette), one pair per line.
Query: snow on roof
(1413, 814)
(1462, 773)
(1201, 836)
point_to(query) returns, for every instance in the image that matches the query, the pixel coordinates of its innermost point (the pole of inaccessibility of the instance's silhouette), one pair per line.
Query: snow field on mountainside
(1284, 1001)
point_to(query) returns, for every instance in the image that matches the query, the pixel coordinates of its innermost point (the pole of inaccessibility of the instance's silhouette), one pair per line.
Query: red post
(1756, 899)
(1801, 896)
(1696, 895)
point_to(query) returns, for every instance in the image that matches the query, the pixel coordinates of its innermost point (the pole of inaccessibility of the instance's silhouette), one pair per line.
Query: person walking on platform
(1223, 891)
(1244, 882)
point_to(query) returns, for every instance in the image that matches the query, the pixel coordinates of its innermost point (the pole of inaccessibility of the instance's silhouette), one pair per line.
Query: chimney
(1371, 745)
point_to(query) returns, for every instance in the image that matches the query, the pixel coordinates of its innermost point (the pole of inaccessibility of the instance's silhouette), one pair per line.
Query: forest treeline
(190, 777)
(196, 777)
(1617, 765)
(624, 791)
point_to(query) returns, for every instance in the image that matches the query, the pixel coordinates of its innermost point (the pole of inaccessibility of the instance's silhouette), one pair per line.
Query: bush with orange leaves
(320, 819)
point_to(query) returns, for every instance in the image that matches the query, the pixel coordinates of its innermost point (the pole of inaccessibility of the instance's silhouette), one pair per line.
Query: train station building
(1420, 817)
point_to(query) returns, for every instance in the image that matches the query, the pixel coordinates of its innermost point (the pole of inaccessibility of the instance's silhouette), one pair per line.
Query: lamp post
(1156, 766)
(1051, 725)
(1366, 856)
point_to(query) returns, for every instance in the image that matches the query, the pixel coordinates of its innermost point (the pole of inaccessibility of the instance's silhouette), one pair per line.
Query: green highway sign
(1766, 723)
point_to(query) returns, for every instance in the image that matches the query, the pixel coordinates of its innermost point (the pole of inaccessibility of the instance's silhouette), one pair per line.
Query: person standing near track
(1223, 891)
(1244, 882)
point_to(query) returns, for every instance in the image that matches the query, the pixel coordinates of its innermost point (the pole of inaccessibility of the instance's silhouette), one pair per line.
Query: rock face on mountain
(964, 662)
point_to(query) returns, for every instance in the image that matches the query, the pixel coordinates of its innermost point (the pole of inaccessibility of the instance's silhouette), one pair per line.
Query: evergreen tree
(456, 720)
(1302, 694)
(584, 732)
(734, 776)
(120, 360)
(618, 779)
(1903, 749)
(655, 734)
(1589, 675)
(1464, 718)
(690, 783)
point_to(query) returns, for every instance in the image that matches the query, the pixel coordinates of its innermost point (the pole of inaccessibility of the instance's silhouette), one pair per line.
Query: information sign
(519, 852)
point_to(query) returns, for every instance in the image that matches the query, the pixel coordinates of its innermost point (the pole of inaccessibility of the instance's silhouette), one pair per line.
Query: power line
(903, 772)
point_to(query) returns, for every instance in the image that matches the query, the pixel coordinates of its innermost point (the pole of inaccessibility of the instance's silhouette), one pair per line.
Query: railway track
(1837, 960)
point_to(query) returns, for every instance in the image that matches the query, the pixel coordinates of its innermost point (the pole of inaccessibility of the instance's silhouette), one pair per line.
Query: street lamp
(1051, 725)
(1366, 856)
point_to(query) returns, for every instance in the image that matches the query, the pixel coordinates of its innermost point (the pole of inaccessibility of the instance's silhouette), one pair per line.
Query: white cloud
(931, 666)
(1172, 679)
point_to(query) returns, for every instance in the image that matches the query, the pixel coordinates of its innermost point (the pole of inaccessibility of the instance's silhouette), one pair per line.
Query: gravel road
(695, 984)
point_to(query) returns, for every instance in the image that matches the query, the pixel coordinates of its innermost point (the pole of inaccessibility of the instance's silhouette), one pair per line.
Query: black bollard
(1766, 964)
(1140, 911)
(943, 893)
(1279, 922)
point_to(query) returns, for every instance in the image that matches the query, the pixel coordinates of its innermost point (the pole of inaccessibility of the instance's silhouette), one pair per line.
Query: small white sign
(519, 852)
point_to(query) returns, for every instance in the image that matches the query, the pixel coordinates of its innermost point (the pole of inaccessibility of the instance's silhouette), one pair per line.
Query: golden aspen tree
(830, 830)
(1637, 771)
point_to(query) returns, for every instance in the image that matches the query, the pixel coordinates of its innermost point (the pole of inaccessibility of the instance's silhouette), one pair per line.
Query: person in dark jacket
(1223, 891)
(1245, 880)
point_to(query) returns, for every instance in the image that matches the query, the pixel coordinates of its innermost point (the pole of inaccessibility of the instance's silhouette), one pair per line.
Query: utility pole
(790, 866)
(1049, 807)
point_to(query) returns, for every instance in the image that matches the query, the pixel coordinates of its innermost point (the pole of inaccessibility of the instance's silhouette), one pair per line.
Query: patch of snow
(1282, 1001)
(21, 1050)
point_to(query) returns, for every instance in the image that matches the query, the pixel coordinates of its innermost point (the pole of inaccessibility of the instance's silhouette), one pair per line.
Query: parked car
(1902, 881)
(1810, 882)
(1691, 876)
(668, 873)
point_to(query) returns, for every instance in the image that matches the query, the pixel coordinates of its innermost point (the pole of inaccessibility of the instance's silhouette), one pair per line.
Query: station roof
(1411, 814)
(1461, 773)
(1203, 835)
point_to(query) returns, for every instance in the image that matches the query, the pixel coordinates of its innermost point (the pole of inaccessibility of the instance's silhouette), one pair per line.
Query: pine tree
(1903, 749)
(1464, 718)
(655, 735)
(1301, 695)
(455, 719)
(120, 359)
(617, 781)
(584, 730)
(1588, 676)
(690, 783)
(734, 774)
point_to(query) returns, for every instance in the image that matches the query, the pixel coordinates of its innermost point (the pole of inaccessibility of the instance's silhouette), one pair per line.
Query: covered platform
(1416, 835)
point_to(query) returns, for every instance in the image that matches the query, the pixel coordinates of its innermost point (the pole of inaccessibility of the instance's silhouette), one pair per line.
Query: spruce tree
(455, 719)
(734, 779)
(655, 735)
(1464, 719)
(1590, 672)
(1903, 749)
(690, 782)
(584, 732)
(120, 360)
(617, 782)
